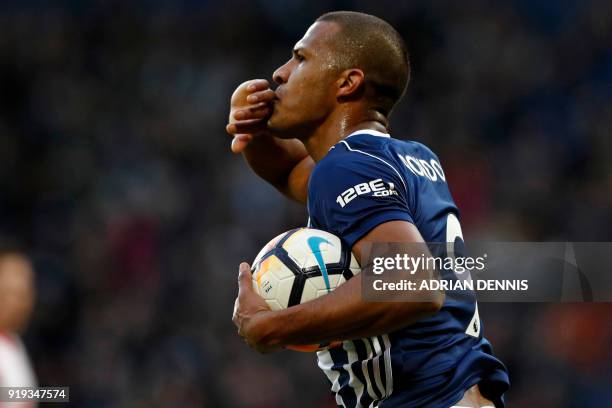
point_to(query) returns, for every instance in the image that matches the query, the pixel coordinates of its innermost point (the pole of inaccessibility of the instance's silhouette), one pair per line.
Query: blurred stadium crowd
(116, 176)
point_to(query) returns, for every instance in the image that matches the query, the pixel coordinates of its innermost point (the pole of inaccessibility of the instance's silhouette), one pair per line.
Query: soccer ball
(301, 265)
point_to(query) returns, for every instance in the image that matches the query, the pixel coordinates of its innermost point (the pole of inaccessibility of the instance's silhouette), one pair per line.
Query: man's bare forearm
(343, 315)
(283, 163)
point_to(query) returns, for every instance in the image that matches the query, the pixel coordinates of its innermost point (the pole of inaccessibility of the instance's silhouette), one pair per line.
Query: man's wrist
(267, 329)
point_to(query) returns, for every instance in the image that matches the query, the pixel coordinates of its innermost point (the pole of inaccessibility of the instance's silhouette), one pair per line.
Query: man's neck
(335, 129)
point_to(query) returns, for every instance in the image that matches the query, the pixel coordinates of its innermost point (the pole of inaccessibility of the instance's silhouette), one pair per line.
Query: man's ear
(351, 83)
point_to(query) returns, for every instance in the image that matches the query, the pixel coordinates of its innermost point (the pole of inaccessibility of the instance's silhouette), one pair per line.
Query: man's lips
(277, 93)
(275, 101)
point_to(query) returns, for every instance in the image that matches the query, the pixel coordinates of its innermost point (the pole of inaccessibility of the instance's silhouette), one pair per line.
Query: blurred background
(117, 178)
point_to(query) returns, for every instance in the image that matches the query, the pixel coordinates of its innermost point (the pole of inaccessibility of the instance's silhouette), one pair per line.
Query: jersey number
(455, 247)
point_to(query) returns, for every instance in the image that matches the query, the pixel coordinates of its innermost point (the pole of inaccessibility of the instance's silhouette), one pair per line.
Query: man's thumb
(240, 142)
(244, 276)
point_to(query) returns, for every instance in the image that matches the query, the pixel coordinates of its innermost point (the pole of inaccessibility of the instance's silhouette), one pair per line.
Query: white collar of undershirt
(369, 132)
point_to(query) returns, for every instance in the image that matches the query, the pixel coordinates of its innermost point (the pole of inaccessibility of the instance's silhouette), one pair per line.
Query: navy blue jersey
(368, 179)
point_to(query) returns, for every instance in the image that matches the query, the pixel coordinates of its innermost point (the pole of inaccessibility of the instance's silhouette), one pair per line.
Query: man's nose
(281, 75)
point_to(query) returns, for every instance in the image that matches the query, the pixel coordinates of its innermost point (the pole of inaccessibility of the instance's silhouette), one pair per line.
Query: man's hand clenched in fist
(250, 107)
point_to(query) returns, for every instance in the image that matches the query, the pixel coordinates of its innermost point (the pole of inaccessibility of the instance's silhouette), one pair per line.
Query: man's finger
(266, 95)
(240, 142)
(243, 126)
(247, 126)
(258, 111)
(244, 277)
(257, 85)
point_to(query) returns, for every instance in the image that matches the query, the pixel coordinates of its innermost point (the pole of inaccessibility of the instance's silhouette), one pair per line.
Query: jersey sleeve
(355, 196)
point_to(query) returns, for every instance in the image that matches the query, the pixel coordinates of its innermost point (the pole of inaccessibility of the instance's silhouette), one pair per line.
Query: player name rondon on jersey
(374, 188)
(431, 170)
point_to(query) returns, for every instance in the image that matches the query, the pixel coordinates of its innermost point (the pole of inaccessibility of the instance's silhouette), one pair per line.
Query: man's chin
(279, 128)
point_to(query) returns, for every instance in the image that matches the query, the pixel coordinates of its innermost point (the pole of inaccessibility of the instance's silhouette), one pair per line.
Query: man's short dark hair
(374, 46)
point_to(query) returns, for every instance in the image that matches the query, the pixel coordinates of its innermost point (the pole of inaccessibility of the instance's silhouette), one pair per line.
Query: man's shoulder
(344, 160)
(414, 147)
(343, 167)
(363, 156)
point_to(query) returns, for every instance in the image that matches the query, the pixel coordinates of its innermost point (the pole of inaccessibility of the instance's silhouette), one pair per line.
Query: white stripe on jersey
(325, 362)
(364, 368)
(377, 158)
(376, 366)
(388, 368)
(349, 347)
